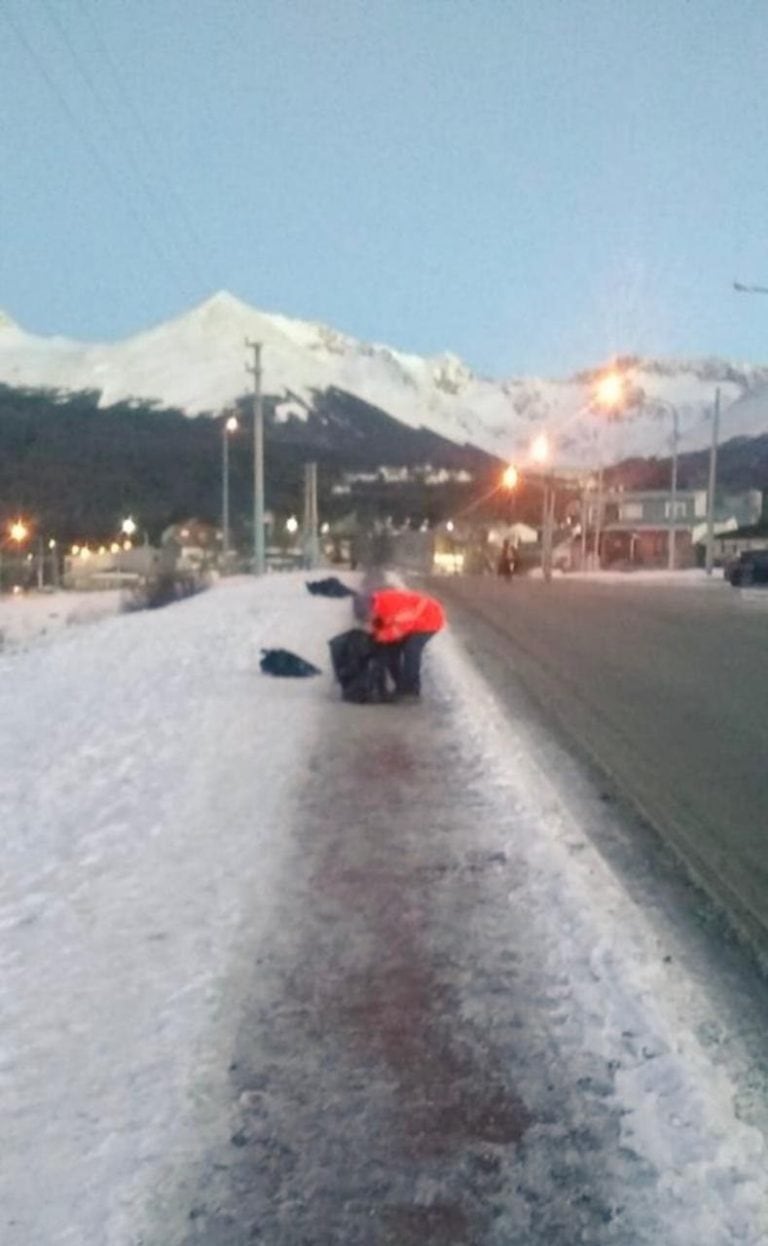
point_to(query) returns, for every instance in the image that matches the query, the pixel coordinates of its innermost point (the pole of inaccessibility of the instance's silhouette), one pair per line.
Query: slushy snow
(149, 793)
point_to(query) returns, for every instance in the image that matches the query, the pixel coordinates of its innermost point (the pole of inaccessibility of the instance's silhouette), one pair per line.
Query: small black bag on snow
(330, 587)
(283, 662)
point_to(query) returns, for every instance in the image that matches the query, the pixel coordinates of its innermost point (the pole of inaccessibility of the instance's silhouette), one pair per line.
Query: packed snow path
(278, 969)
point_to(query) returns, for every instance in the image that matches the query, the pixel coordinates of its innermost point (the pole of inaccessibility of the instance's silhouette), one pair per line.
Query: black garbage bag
(331, 587)
(359, 668)
(283, 662)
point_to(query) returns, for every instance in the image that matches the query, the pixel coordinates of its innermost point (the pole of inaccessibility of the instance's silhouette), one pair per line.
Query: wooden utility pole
(672, 537)
(710, 557)
(259, 560)
(311, 550)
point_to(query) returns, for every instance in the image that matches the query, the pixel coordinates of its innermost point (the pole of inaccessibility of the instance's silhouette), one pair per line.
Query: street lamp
(128, 526)
(230, 426)
(541, 454)
(540, 450)
(609, 392)
(292, 525)
(18, 531)
(610, 396)
(663, 405)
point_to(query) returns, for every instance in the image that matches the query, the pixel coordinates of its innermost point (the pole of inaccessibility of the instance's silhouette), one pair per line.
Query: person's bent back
(403, 622)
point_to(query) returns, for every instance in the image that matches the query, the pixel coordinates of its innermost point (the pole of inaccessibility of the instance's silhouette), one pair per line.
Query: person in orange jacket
(403, 623)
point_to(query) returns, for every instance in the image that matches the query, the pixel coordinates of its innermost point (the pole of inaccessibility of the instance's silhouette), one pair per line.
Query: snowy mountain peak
(196, 362)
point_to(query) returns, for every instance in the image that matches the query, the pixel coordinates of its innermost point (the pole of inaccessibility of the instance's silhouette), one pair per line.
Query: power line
(103, 104)
(91, 146)
(118, 80)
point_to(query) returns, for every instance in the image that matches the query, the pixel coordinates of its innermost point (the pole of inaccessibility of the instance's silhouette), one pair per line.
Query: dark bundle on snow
(283, 662)
(358, 667)
(331, 587)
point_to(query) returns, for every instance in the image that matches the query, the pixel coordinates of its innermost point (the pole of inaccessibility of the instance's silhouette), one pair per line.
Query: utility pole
(547, 527)
(259, 561)
(584, 523)
(310, 514)
(599, 517)
(710, 559)
(224, 496)
(40, 563)
(673, 491)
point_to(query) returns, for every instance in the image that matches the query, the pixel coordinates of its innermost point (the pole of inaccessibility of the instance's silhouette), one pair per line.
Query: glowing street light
(510, 477)
(609, 391)
(609, 394)
(128, 526)
(292, 525)
(229, 427)
(18, 531)
(540, 449)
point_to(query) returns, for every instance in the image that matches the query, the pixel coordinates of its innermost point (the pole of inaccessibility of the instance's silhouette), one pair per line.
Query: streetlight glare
(292, 524)
(232, 424)
(610, 390)
(19, 531)
(540, 449)
(509, 479)
(128, 526)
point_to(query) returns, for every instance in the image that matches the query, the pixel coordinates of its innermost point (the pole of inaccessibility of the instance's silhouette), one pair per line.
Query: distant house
(636, 527)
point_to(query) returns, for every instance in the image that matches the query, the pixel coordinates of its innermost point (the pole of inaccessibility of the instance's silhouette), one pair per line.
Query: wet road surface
(666, 689)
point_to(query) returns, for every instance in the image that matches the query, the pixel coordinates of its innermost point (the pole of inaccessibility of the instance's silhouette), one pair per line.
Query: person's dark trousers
(411, 649)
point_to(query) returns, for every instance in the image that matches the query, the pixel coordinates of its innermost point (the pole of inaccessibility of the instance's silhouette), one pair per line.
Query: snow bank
(147, 774)
(692, 577)
(26, 618)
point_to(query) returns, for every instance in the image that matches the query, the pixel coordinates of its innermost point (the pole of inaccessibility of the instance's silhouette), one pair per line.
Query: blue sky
(532, 184)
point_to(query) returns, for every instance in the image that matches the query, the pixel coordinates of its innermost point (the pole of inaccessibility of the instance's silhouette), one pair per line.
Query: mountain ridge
(195, 362)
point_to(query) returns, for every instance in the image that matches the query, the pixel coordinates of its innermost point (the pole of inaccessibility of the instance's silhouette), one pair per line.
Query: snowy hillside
(196, 362)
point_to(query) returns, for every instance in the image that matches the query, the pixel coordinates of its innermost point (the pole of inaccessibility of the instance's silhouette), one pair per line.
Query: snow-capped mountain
(196, 362)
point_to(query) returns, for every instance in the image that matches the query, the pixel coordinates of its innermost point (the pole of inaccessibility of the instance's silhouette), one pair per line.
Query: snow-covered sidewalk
(147, 773)
(279, 969)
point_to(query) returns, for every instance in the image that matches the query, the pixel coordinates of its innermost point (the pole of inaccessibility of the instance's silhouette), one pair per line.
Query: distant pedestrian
(506, 563)
(403, 623)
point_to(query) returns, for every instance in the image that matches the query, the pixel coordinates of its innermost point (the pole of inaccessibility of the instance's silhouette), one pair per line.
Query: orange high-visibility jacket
(396, 613)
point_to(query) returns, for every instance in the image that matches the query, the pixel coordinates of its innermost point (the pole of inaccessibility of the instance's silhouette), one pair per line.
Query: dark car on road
(751, 567)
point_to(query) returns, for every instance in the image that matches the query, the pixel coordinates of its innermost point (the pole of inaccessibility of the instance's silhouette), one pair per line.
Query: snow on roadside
(27, 618)
(688, 1087)
(147, 771)
(689, 577)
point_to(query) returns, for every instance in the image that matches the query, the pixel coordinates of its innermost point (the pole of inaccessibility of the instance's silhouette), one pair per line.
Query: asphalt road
(665, 689)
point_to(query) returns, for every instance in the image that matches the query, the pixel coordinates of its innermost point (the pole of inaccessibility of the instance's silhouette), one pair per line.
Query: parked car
(751, 567)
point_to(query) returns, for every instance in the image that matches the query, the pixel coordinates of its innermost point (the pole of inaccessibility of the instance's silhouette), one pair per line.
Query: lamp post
(540, 454)
(230, 426)
(610, 396)
(672, 553)
(663, 405)
(18, 531)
